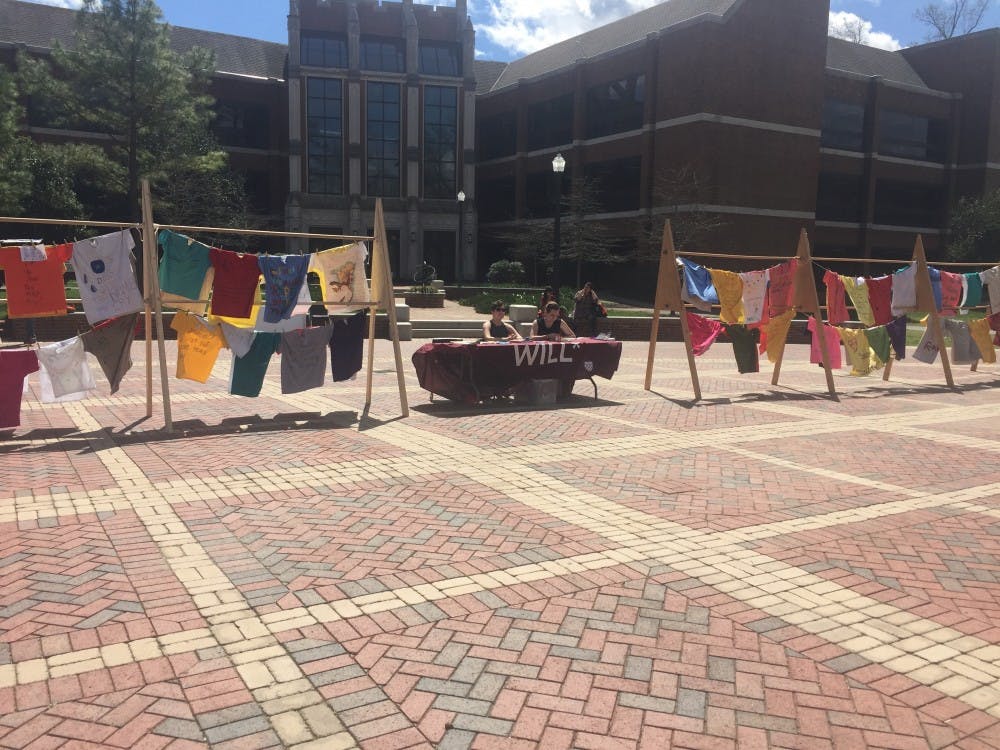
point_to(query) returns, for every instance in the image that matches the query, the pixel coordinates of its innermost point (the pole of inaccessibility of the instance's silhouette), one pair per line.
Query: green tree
(14, 174)
(147, 105)
(975, 229)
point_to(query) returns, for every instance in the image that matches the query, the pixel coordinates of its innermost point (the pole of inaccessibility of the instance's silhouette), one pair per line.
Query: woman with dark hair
(496, 328)
(548, 295)
(550, 326)
(585, 310)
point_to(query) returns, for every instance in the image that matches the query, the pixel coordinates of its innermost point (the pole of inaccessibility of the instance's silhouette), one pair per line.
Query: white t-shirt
(904, 291)
(239, 340)
(342, 273)
(754, 294)
(106, 276)
(991, 280)
(64, 374)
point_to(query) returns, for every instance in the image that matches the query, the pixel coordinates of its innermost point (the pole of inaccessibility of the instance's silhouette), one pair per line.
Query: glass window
(843, 125)
(497, 136)
(382, 54)
(440, 59)
(540, 193)
(323, 50)
(325, 132)
(912, 137)
(241, 124)
(616, 107)
(908, 205)
(496, 199)
(550, 123)
(439, 251)
(616, 183)
(839, 197)
(383, 139)
(440, 141)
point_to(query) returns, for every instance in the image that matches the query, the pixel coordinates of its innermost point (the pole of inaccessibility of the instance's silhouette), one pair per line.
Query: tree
(677, 195)
(14, 175)
(952, 18)
(850, 27)
(147, 105)
(975, 228)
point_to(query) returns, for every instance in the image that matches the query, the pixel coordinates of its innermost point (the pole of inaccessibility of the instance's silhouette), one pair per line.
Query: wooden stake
(382, 290)
(925, 301)
(149, 243)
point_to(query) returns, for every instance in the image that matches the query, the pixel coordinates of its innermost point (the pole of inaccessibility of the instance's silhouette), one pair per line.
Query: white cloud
(525, 26)
(850, 26)
(73, 4)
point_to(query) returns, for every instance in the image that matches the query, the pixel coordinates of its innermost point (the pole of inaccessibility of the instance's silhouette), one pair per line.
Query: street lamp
(461, 236)
(558, 165)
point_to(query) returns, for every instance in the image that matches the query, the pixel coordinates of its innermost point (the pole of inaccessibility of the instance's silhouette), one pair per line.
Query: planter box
(424, 300)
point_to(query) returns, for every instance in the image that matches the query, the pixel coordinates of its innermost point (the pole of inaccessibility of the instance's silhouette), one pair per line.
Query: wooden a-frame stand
(668, 297)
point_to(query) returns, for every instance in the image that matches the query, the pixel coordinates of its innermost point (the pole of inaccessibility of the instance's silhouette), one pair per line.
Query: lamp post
(558, 165)
(461, 236)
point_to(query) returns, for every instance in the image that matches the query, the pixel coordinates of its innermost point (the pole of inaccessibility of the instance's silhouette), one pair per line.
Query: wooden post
(668, 295)
(153, 292)
(382, 291)
(925, 301)
(806, 300)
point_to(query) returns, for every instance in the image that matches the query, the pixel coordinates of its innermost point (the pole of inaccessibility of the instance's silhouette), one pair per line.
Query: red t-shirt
(35, 288)
(14, 365)
(880, 298)
(237, 280)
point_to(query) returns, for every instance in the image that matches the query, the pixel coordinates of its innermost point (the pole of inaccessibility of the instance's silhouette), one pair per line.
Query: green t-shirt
(249, 371)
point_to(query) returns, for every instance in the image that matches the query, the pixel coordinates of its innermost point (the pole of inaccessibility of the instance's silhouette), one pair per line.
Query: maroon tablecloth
(472, 372)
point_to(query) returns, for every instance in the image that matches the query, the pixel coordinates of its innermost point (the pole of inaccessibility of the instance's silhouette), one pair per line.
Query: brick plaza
(767, 568)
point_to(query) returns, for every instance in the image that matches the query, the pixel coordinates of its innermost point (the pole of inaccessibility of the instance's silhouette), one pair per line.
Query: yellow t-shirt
(198, 345)
(729, 287)
(242, 322)
(980, 332)
(858, 292)
(777, 333)
(859, 353)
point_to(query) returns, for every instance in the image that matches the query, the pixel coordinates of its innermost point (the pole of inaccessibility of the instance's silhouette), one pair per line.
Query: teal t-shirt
(249, 371)
(184, 264)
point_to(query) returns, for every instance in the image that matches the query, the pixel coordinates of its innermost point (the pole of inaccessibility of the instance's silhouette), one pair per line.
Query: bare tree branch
(952, 18)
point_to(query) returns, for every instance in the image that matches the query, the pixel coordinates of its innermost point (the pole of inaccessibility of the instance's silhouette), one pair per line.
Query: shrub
(506, 272)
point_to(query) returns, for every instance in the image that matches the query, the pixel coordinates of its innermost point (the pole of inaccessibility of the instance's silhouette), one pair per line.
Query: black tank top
(544, 330)
(498, 330)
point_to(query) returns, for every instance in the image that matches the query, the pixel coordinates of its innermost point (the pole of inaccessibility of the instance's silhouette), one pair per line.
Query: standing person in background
(548, 295)
(585, 311)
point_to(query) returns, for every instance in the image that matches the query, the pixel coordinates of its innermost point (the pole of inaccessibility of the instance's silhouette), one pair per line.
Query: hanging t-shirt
(15, 364)
(105, 274)
(963, 351)
(904, 290)
(991, 280)
(745, 347)
(836, 303)
(935, 275)
(832, 345)
(239, 340)
(303, 358)
(730, 290)
(781, 285)
(184, 265)
(236, 284)
(859, 353)
(880, 343)
(247, 375)
(341, 273)
(979, 330)
(65, 363)
(704, 331)
(111, 343)
(698, 289)
(35, 288)
(973, 290)
(775, 334)
(347, 343)
(857, 290)
(198, 345)
(951, 292)
(927, 350)
(754, 295)
(880, 299)
(897, 336)
(284, 277)
(299, 318)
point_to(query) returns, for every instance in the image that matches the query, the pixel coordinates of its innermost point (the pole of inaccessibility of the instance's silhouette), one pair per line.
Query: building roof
(40, 26)
(487, 72)
(596, 42)
(869, 61)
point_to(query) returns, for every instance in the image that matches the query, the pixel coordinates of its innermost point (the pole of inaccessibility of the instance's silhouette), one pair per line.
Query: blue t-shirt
(698, 282)
(283, 279)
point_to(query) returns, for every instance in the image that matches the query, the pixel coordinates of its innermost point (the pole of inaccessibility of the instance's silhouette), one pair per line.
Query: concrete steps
(446, 329)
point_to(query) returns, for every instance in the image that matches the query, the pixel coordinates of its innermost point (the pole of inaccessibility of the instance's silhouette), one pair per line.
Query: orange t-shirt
(35, 288)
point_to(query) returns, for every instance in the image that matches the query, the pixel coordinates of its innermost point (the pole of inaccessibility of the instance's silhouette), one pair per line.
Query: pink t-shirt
(832, 345)
(836, 302)
(14, 365)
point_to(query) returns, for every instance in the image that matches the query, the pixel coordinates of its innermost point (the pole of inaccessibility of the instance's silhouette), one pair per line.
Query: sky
(508, 29)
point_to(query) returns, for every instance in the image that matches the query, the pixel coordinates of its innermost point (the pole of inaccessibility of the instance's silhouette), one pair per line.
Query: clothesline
(260, 232)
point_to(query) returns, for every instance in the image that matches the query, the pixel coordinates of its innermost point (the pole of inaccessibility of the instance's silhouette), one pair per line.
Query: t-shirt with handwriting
(341, 272)
(105, 272)
(284, 277)
(35, 288)
(198, 345)
(111, 343)
(304, 358)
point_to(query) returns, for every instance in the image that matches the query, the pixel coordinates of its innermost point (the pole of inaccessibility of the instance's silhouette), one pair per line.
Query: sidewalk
(768, 568)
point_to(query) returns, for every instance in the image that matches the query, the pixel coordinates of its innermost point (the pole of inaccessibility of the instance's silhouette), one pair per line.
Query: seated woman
(496, 328)
(550, 326)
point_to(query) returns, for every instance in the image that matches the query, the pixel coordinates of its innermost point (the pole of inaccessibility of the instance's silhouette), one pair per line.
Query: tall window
(325, 129)
(843, 125)
(550, 123)
(912, 137)
(440, 59)
(382, 54)
(440, 141)
(616, 183)
(323, 50)
(383, 137)
(616, 107)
